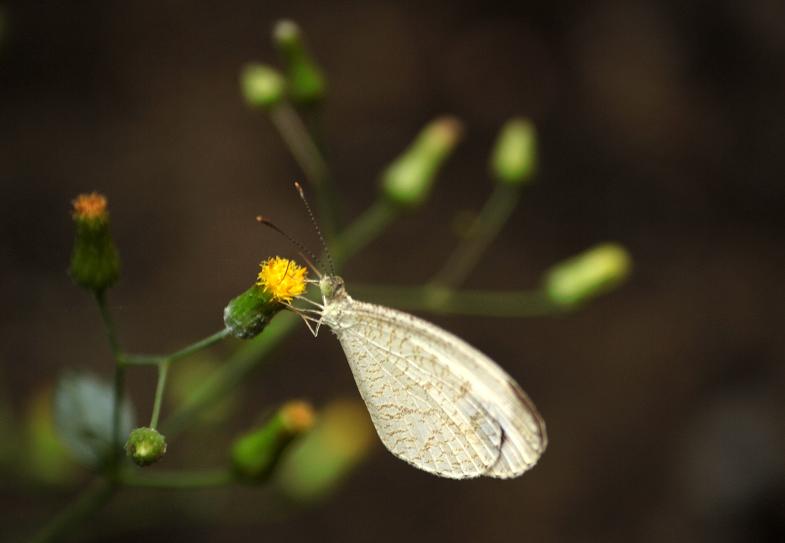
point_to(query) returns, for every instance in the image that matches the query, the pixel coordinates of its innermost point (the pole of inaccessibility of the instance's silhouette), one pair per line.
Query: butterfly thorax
(336, 301)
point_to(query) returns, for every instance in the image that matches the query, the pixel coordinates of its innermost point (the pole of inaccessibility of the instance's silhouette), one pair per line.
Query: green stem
(119, 374)
(208, 478)
(163, 369)
(518, 303)
(486, 227)
(364, 229)
(199, 345)
(90, 501)
(106, 318)
(307, 154)
(239, 365)
(153, 360)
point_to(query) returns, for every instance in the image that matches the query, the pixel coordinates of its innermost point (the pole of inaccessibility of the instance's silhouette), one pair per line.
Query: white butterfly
(436, 402)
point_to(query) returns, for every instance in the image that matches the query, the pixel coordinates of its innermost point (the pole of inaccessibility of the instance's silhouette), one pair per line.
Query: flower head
(89, 207)
(95, 264)
(282, 278)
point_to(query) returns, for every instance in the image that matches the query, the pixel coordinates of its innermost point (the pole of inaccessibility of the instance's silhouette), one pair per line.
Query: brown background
(662, 127)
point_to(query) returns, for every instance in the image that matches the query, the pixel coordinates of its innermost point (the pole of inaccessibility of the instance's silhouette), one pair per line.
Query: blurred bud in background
(305, 80)
(83, 408)
(255, 454)
(262, 86)
(95, 264)
(514, 158)
(407, 181)
(145, 446)
(321, 460)
(588, 274)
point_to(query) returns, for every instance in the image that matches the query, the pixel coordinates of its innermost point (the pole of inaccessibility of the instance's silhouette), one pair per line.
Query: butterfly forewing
(436, 402)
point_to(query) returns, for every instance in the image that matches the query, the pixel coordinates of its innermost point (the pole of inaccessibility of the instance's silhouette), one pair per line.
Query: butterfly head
(332, 287)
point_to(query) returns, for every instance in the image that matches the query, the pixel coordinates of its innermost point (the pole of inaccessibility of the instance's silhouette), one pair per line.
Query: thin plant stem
(206, 478)
(232, 373)
(152, 360)
(106, 318)
(199, 345)
(486, 227)
(119, 373)
(517, 303)
(143, 359)
(307, 154)
(90, 501)
(163, 370)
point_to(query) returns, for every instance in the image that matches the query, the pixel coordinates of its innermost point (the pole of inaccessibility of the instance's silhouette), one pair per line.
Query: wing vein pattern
(451, 393)
(442, 407)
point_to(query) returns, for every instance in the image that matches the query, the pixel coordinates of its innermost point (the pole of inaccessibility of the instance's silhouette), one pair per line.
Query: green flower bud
(248, 314)
(95, 264)
(588, 274)
(305, 80)
(324, 457)
(255, 454)
(145, 446)
(514, 158)
(262, 86)
(279, 281)
(408, 180)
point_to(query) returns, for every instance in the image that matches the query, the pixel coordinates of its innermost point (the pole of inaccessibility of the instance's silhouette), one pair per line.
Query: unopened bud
(255, 454)
(248, 314)
(145, 446)
(305, 80)
(408, 180)
(327, 454)
(262, 86)
(588, 274)
(95, 264)
(514, 159)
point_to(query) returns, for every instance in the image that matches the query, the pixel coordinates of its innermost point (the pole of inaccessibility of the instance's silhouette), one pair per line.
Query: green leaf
(83, 409)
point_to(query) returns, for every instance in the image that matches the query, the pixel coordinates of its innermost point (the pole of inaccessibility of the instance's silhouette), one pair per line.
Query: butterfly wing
(437, 402)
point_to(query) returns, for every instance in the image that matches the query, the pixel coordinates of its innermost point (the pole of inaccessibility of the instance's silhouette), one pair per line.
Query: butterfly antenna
(301, 249)
(315, 224)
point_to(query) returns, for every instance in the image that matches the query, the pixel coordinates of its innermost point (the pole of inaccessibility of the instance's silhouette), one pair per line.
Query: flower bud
(95, 264)
(514, 159)
(407, 181)
(145, 446)
(323, 458)
(588, 274)
(305, 80)
(255, 454)
(262, 86)
(248, 314)
(279, 281)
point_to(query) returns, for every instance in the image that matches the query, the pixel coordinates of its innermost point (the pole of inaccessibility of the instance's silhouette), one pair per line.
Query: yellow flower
(283, 278)
(90, 206)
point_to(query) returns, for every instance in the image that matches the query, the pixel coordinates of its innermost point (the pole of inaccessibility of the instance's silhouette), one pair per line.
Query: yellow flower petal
(282, 278)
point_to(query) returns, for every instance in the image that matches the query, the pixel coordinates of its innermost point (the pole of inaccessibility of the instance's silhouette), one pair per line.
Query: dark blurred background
(661, 127)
